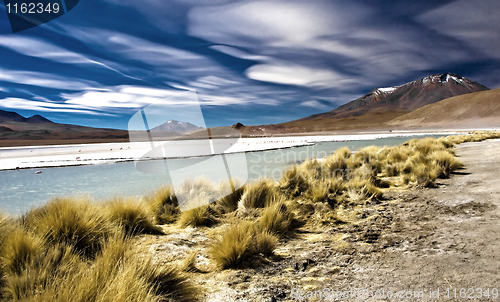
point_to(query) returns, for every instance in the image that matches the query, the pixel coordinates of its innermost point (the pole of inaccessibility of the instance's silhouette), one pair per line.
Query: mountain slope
(480, 109)
(407, 97)
(16, 130)
(8, 116)
(373, 110)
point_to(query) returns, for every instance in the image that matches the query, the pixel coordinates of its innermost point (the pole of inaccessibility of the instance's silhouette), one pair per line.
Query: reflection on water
(21, 190)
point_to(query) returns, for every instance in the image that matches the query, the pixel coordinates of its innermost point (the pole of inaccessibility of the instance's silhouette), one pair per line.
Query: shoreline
(54, 156)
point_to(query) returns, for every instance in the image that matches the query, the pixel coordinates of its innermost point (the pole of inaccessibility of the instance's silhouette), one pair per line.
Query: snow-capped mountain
(407, 97)
(176, 126)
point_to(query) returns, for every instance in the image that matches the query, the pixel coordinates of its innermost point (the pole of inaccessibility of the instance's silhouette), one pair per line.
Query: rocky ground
(409, 244)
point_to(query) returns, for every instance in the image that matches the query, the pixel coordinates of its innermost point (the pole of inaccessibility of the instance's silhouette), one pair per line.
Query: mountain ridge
(374, 109)
(409, 96)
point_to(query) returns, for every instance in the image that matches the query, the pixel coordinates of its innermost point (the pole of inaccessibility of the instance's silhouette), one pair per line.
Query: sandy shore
(92, 154)
(412, 243)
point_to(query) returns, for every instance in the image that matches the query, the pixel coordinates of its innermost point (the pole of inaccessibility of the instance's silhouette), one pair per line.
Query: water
(22, 190)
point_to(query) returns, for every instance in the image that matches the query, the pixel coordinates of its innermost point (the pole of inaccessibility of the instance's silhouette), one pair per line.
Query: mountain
(7, 116)
(36, 119)
(479, 109)
(374, 109)
(16, 130)
(176, 126)
(407, 97)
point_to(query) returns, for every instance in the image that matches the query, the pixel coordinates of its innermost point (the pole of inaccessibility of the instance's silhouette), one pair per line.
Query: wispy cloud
(25, 104)
(45, 79)
(473, 22)
(266, 61)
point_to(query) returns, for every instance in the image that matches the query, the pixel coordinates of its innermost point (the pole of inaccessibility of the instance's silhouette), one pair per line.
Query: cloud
(344, 44)
(38, 48)
(239, 53)
(25, 104)
(43, 79)
(276, 23)
(473, 22)
(315, 104)
(294, 75)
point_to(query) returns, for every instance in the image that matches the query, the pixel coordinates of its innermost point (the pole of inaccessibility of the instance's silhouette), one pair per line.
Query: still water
(22, 190)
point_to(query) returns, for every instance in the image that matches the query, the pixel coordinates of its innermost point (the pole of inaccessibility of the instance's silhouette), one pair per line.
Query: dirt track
(451, 233)
(419, 240)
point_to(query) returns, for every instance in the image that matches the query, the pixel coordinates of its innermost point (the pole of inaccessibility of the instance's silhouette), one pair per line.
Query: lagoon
(22, 189)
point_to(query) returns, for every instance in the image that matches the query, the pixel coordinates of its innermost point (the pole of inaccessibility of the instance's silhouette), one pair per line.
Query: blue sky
(254, 62)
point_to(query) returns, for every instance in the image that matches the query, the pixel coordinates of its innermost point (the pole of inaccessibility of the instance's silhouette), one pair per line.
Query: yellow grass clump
(75, 222)
(132, 215)
(164, 205)
(258, 194)
(239, 242)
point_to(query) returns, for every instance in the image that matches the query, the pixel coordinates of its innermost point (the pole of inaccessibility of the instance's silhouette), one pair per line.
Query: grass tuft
(164, 205)
(132, 215)
(258, 194)
(75, 222)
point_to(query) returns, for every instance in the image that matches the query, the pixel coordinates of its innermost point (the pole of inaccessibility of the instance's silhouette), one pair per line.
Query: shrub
(239, 243)
(424, 175)
(132, 215)
(265, 242)
(258, 194)
(297, 178)
(276, 218)
(326, 189)
(446, 162)
(362, 190)
(398, 154)
(115, 275)
(18, 249)
(75, 222)
(164, 205)
(41, 273)
(229, 203)
(201, 216)
(233, 246)
(336, 165)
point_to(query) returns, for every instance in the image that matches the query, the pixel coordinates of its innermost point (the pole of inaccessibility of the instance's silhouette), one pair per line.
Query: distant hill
(379, 106)
(16, 130)
(37, 119)
(8, 116)
(480, 109)
(176, 126)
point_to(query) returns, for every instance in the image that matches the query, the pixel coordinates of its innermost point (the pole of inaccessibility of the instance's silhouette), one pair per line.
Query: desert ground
(411, 241)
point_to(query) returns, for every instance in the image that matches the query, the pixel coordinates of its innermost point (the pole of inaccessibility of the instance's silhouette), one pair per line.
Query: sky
(254, 62)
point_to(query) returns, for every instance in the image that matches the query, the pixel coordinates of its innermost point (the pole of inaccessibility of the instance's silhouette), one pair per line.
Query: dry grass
(229, 203)
(276, 218)
(133, 216)
(74, 250)
(164, 205)
(115, 274)
(75, 222)
(201, 216)
(239, 243)
(258, 194)
(446, 162)
(233, 246)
